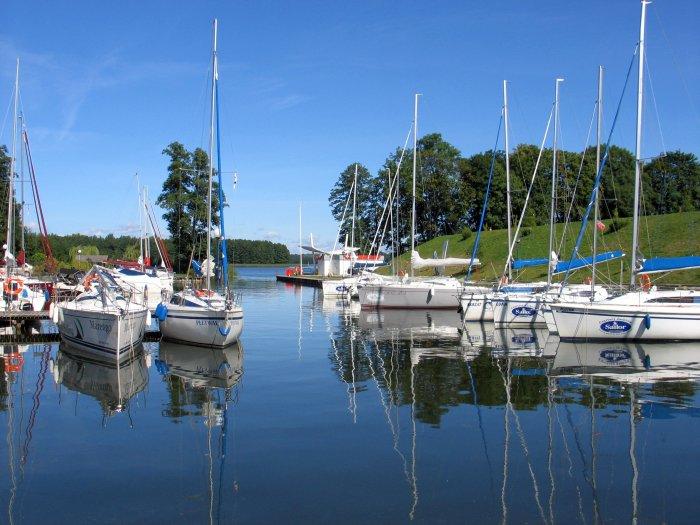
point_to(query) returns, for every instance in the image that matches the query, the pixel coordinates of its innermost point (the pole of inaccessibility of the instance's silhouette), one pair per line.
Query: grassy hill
(660, 235)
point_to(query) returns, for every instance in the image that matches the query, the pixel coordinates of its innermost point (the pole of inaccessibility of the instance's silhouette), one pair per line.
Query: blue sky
(310, 86)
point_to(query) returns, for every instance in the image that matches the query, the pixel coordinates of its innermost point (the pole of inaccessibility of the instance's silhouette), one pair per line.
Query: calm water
(326, 413)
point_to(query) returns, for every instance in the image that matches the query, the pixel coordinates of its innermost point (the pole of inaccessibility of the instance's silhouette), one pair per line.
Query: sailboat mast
(301, 259)
(638, 144)
(554, 179)
(354, 199)
(11, 178)
(211, 157)
(508, 210)
(599, 129)
(21, 182)
(415, 159)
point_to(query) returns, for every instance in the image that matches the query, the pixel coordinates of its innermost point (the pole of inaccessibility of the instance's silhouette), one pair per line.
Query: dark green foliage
(243, 251)
(616, 225)
(466, 233)
(184, 199)
(524, 232)
(450, 188)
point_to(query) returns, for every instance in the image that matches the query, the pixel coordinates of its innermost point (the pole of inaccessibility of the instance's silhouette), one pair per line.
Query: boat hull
(518, 310)
(615, 322)
(201, 326)
(476, 307)
(409, 296)
(102, 333)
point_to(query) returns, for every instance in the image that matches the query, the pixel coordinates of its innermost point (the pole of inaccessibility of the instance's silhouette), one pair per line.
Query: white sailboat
(409, 291)
(647, 314)
(206, 317)
(103, 319)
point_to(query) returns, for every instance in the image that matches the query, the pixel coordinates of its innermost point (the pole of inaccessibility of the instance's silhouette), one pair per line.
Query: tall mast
(142, 253)
(599, 129)
(21, 183)
(415, 159)
(223, 251)
(554, 179)
(11, 178)
(508, 210)
(354, 198)
(638, 144)
(301, 259)
(211, 157)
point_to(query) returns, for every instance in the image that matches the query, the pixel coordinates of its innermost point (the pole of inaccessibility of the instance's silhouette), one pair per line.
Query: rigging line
(36, 402)
(472, 383)
(656, 108)
(550, 449)
(676, 64)
(578, 178)
(7, 112)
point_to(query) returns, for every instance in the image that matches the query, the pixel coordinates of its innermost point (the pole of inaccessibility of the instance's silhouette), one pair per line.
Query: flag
(600, 226)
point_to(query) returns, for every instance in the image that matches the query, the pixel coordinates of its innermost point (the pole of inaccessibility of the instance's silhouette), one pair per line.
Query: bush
(466, 233)
(525, 232)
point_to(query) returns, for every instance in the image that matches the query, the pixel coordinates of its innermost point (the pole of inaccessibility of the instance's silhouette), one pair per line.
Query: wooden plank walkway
(23, 315)
(304, 280)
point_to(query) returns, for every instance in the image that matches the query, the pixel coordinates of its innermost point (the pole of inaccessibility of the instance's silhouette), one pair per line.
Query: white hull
(549, 319)
(202, 326)
(619, 322)
(518, 310)
(105, 333)
(339, 287)
(476, 306)
(416, 294)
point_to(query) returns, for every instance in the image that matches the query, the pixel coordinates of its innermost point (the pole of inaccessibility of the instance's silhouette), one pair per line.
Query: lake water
(326, 413)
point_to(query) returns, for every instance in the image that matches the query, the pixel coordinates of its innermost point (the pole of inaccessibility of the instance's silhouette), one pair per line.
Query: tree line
(450, 189)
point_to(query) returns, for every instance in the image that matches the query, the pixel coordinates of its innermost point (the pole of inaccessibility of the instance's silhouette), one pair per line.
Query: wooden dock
(305, 280)
(10, 316)
(150, 336)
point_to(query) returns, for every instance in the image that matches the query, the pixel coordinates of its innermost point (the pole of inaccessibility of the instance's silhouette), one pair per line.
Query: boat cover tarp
(575, 264)
(519, 264)
(667, 264)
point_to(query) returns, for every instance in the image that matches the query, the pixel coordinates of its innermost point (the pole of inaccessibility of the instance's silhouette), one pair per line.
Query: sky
(309, 87)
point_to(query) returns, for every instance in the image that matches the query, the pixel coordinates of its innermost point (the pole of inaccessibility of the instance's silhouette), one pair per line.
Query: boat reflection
(112, 384)
(202, 367)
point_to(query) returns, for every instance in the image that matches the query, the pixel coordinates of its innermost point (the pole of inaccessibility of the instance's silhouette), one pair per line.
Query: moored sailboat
(206, 317)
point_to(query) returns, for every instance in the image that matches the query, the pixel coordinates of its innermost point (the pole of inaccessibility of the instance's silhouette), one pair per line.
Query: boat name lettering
(523, 311)
(206, 322)
(102, 327)
(615, 326)
(614, 355)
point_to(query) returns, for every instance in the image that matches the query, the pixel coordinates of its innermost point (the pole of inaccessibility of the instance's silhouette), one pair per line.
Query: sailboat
(206, 317)
(526, 304)
(410, 292)
(20, 292)
(103, 319)
(646, 314)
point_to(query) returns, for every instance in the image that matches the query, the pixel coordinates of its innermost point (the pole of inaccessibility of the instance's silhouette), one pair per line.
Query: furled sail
(667, 264)
(575, 264)
(519, 264)
(418, 262)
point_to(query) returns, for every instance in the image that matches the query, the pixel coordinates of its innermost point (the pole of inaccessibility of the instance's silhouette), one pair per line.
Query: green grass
(660, 236)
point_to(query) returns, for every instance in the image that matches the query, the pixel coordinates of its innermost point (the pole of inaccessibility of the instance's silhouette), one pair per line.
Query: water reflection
(110, 382)
(558, 404)
(202, 382)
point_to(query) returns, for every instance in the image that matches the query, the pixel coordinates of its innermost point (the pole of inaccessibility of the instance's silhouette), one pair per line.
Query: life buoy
(204, 293)
(589, 280)
(13, 362)
(13, 286)
(645, 281)
(89, 279)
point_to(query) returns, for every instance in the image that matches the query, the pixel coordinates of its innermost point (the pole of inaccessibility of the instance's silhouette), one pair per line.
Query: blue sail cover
(519, 264)
(575, 264)
(667, 264)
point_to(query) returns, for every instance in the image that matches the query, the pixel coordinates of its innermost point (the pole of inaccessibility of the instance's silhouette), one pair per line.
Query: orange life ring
(10, 288)
(13, 362)
(204, 293)
(89, 279)
(645, 281)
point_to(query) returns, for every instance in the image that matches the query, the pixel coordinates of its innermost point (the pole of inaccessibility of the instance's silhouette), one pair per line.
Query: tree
(364, 212)
(184, 198)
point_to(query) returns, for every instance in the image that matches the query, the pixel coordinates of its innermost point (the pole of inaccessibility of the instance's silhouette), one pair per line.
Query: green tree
(364, 210)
